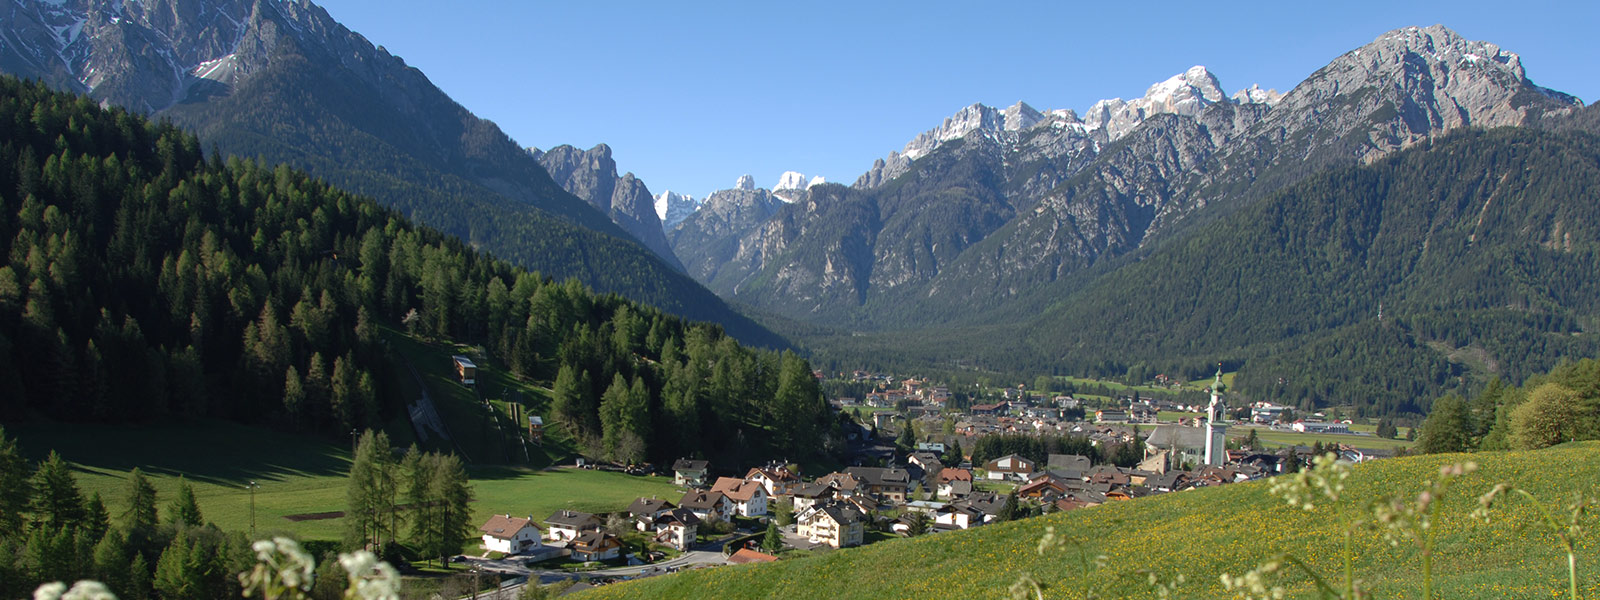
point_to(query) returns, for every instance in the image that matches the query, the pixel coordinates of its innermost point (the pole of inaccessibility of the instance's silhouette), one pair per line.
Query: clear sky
(690, 95)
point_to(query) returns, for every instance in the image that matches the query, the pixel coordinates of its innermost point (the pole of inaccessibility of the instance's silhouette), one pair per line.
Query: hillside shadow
(215, 452)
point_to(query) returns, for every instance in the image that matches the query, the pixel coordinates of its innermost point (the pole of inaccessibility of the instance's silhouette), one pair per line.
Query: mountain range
(281, 81)
(1010, 239)
(996, 224)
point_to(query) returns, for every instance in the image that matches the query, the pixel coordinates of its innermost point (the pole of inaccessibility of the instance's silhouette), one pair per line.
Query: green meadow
(1201, 535)
(296, 475)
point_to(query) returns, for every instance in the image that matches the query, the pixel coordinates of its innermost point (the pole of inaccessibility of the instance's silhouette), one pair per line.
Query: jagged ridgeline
(145, 279)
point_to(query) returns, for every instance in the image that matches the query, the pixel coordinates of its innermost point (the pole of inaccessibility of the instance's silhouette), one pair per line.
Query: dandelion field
(1203, 534)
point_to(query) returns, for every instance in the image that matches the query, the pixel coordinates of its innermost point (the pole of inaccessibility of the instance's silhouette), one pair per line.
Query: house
(934, 447)
(955, 490)
(989, 409)
(645, 510)
(595, 545)
(536, 429)
(1044, 486)
(1110, 416)
(927, 460)
(749, 498)
(707, 505)
(676, 528)
(1069, 462)
(687, 472)
(465, 370)
(959, 515)
(886, 484)
(836, 524)
(746, 556)
(808, 494)
(1267, 412)
(1320, 427)
(844, 485)
(565, 525)
(776, 477)
(1010, 466)
(949, 474)
(510, 535)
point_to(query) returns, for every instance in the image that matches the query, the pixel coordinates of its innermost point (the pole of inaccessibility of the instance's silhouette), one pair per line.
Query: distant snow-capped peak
(673, 208)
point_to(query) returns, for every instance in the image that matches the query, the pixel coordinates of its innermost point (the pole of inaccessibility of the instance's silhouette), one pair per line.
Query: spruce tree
(141, 513)
(15, 489)
(370, 497)
(57, 503)
(185, 509)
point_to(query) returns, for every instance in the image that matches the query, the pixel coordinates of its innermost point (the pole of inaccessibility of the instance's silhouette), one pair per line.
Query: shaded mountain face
(986, 212)
(283, 82)
(592, 175)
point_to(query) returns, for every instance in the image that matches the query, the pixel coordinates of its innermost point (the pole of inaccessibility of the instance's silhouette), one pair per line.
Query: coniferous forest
(147, 279)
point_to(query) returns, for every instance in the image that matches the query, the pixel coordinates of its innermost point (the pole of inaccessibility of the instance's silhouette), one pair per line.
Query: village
(908, 484)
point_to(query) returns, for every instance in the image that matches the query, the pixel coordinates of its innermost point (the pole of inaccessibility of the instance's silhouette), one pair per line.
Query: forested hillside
(146, 279)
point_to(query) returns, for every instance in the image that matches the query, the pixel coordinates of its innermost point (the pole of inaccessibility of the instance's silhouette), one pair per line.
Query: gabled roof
(839, 481)
(573, 519)
(682, 516)
(777, 473)
(506, 526)
(1017, 463)
(738, 490)
(1073, 462)
(1177, 436)
(960, 487)
(595, 541)
(954, 474)
(811, 490)
(842, 513)
(880, 476)
(701, 500)
(648, 506)
(684, 464)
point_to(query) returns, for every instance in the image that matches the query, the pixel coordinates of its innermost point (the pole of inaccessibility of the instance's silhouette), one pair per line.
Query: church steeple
(1216, 428)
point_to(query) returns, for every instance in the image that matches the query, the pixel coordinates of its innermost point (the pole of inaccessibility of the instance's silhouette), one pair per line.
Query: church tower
(1216, 429)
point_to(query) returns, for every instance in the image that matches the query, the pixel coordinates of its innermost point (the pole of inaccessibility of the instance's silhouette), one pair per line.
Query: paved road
(709, 553)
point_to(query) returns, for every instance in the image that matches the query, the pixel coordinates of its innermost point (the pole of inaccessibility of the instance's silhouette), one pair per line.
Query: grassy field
(296, 475)
(1295, 438)
(1203, 534)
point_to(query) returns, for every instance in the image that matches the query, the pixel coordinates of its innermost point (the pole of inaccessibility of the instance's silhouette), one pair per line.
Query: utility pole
(252, 485)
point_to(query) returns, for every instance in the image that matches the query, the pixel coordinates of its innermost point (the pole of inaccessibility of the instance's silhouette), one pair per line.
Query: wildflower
(82, 590)
(370, 578)
(283, 570)
(1253, 584)
(1325, 478)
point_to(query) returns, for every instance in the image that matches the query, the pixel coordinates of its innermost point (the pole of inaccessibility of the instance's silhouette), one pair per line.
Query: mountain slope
(981, 216)
(1200, 534)
(284, 82)
(592, 175)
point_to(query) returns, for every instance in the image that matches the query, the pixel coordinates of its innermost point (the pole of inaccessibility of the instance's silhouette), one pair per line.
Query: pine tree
(370, 499)
(773, 541)
(1009, 511)
(1448, 427)
(111, 564)
(57, 503)
(173, 577)
(15, 488)
(294, 395)
(140, 581)
(141, 513)
(185, 509)
(96, 519)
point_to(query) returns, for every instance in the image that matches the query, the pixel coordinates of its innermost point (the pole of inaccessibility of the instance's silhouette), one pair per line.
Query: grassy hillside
(298, 475)
(1203, 534)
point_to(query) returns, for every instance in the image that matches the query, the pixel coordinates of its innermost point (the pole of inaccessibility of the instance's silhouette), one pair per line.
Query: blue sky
(690, 95)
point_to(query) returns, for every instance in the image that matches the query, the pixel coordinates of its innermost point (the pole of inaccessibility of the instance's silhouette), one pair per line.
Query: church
(1204, 443)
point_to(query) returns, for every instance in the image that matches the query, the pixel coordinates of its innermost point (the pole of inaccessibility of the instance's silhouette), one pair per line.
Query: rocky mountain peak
(592, 175)
(1255, 95)
(790, 180)
(673, 208)
(746, 182)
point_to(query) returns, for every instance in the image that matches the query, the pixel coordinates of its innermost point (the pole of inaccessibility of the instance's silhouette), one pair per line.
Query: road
(709, 553)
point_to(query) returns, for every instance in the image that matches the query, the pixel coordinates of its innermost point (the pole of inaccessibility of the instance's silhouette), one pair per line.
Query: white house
(836, 524)
(749, 497)
(568, 524)
(510, 535)
(1011, 467)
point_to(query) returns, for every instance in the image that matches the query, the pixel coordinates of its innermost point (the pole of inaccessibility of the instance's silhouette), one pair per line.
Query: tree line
(1555, 407)
(145, 279)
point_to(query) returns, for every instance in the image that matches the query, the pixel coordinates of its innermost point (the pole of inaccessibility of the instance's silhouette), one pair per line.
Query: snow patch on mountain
(673, 208)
